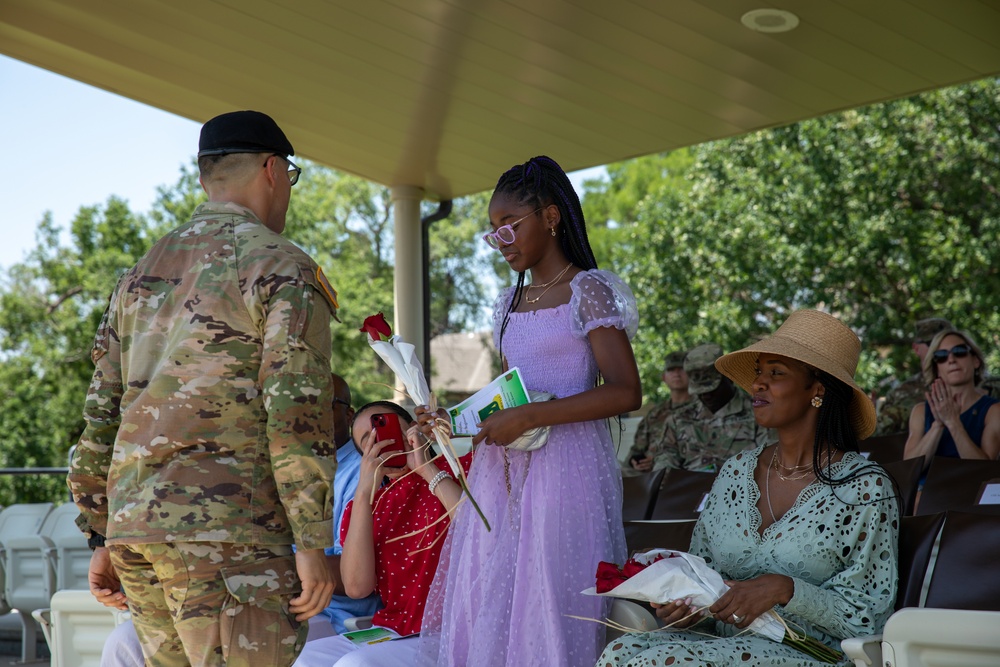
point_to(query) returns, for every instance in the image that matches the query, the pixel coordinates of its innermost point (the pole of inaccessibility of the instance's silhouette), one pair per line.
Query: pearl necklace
(547, 286)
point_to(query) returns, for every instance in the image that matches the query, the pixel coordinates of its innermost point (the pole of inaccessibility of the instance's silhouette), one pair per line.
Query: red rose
(376, 327)
(608, 576)
(632, 568)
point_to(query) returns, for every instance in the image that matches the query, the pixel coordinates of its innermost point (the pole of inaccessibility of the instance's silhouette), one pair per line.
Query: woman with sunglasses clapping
(958, 420)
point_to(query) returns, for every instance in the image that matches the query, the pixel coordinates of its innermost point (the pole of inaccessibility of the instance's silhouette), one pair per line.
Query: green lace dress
(838, 544)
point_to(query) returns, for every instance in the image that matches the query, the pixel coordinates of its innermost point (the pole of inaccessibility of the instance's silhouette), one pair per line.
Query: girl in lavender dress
(505, 597)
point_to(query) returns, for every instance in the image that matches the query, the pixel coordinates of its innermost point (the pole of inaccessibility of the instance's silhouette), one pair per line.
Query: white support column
(408, 292)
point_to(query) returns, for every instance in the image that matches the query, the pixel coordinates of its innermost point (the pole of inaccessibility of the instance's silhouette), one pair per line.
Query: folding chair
(30, 565)
(956, 484)
(884, 448)
(906, 477)
(17, 521)
(959, 619)
(639, 493)
(682, 494)
(645, 535)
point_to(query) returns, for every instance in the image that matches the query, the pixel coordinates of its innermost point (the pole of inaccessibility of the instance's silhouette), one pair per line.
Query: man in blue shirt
(344, 484)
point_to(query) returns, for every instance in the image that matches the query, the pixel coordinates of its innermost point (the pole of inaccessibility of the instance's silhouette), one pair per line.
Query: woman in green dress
(807, 527)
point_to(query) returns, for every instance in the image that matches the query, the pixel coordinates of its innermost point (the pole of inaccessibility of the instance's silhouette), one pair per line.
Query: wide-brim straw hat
(819, 340)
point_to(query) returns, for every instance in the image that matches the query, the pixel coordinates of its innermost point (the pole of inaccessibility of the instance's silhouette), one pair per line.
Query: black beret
(243, 132)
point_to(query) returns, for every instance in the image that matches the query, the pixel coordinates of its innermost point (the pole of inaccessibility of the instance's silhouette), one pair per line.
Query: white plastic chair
(630, 615)
(31, 564)
(17, 521)
(941, 638)
(75, 627)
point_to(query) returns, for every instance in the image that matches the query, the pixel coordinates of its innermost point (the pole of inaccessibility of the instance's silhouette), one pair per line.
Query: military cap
(675, 360)
(243, 132)
(925, 330)
(699, 364)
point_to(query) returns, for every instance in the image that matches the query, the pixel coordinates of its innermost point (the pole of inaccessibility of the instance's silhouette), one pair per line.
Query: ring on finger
(737, 619)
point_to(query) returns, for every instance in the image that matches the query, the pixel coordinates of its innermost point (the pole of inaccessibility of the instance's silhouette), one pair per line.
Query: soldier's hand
(317, 584)
(104, 582)
(645, 464)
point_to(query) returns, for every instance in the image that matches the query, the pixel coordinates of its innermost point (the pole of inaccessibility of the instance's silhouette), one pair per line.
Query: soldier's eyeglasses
(342, 402)
(294, 171)
(505, 235)
(959, 351)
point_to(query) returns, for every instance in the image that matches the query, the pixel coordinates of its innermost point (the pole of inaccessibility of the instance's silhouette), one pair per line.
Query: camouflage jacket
(894, 415)
(207, 418)
(651, 427)
(697, 439)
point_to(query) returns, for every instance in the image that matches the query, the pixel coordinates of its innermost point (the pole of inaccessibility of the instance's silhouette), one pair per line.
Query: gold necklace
(795, 474)
(547, 286)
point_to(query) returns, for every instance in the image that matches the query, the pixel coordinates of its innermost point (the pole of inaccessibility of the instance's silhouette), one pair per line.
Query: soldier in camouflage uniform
(208, 447)
(894, 415)
(717, 426)
(650, 430)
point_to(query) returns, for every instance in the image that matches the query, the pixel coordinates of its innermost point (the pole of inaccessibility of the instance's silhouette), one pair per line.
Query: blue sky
(68, 144)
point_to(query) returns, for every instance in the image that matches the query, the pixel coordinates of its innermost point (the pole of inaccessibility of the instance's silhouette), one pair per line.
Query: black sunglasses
(941, 356)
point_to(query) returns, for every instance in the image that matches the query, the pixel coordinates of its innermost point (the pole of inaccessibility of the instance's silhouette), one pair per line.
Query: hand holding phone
(386, 426)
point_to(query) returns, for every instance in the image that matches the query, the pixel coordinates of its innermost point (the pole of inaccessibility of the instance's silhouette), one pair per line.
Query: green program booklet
(374, 635)
(505, 391)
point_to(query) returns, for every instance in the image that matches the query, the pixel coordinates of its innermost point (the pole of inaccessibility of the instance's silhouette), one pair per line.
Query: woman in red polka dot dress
(401, 570)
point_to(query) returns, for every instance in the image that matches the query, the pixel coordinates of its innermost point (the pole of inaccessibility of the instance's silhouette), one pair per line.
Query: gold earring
(816, 401)
(553, 230)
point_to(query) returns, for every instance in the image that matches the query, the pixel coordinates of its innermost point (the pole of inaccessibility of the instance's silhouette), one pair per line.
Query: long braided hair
(834, 431)
(540, 182)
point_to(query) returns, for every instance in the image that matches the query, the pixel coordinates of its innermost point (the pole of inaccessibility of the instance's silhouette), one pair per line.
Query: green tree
(50, 306)
(882, 215)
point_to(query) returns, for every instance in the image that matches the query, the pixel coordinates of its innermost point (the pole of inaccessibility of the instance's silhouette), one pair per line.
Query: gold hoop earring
(816, 401)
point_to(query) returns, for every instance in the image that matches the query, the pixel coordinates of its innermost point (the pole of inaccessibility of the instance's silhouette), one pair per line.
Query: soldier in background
(894, 415)
(717, 426)
(209, 446)
(650, 429)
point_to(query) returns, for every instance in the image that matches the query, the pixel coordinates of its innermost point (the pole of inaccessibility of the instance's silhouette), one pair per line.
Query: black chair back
(645, 535)
(956, 484)
(906, 476)
(682, 495)
(917, 535)
(639, 494)
(966, 573)
(884, 448)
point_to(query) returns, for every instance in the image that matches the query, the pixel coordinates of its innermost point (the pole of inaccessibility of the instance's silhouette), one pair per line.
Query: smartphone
(386, 426)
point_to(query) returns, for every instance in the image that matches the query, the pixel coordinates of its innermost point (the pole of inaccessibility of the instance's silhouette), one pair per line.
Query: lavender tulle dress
(502, 597)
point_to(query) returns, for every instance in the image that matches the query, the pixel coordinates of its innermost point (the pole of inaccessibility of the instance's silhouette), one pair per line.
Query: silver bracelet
(435, 480)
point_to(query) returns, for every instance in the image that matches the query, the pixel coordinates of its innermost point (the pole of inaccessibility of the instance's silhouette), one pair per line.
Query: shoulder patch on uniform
(328, 291)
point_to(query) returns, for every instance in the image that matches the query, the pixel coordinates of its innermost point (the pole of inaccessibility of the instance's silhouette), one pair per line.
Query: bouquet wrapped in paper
(401, 357)
(663, 575)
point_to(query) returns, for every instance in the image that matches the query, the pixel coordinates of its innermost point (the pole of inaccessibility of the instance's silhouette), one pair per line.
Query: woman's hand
(746, 600)
(418, 452)
(678, 614)
(943, 405)
(372, 468)
(505, 426)
(426, 420)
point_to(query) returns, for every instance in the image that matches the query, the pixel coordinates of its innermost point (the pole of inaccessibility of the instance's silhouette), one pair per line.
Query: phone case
(386, 427)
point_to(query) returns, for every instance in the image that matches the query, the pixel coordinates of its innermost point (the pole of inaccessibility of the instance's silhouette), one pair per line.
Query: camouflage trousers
(209, 604)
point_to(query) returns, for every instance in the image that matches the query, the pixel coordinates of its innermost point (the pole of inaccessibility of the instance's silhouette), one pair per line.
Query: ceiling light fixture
(770, 20)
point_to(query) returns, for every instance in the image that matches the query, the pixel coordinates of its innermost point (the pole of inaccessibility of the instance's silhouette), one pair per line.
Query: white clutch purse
(533, 439)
